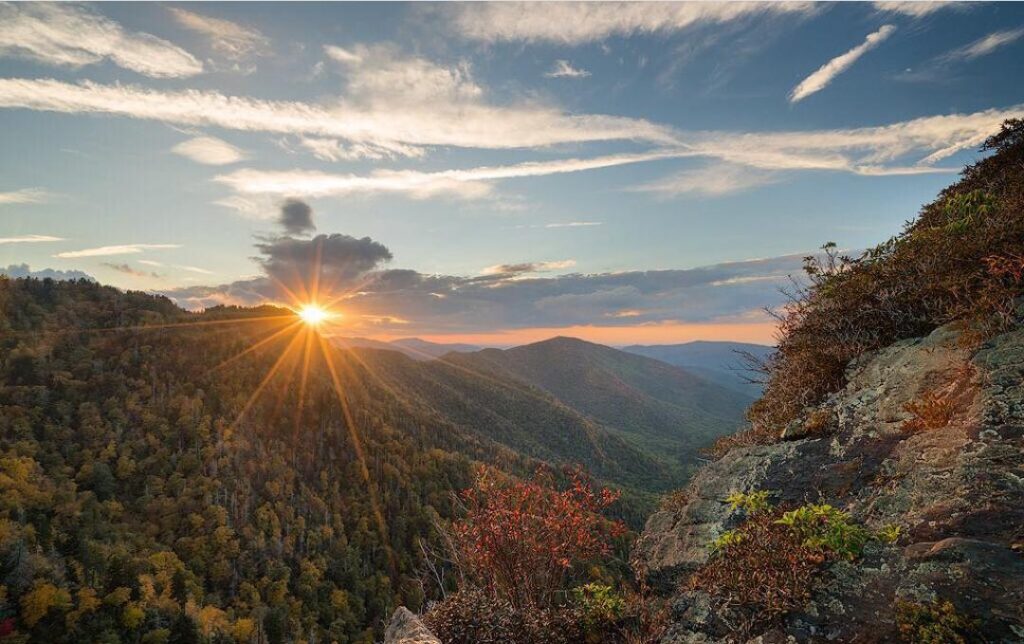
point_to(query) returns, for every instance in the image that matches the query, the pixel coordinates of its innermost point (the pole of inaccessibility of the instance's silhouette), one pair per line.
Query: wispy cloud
(827, 72)
(574, 23)
(714, 181)
(106, 251)
(128, 270)
(563, 69)
(435, 107)
(29, 239)
(984, 46)
(917, 8)
(528, 267)
(26, 195)
(72, 35)
(573, 224)
(227, 38)
(468, 183)
(209, 150)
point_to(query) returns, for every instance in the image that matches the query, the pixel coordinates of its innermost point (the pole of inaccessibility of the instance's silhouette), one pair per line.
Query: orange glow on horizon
(753, 332)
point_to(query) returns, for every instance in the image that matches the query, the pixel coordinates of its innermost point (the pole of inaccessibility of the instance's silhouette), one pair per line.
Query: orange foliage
(520, 540)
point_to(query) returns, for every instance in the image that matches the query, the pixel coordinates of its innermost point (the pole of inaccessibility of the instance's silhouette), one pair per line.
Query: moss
(935, 622)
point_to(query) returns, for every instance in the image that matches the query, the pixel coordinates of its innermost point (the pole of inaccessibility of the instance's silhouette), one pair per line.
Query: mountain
(415, 348)
(224, 472)
(424, 350)
(662, 409)
(720, 362)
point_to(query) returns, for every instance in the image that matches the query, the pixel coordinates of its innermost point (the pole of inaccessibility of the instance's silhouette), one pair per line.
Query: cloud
(296, 217)
(335, 259)
(713, 181)
(562, 69)
(401, 104)
(827, 72)
(73, 36)
(573, 224)
(128, 270)
(575, 23)
(24, 196)
(209, 150)
(22, 270)
(468, 183)
(335, 150)
(984, 46)
(373, 299)
(29, 239)
(230, 39)
(511, 270)
(105, 251)
(916, 8)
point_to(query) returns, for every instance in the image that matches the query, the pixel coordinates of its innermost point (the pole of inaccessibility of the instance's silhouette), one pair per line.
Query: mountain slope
(424, 350)
(720, 362)
(654, 405)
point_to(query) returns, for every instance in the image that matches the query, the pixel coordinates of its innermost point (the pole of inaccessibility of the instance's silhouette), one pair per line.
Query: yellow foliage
(87, 603)
(36, 603)
(118, 596)
(242, 630)
(132, 616)
(211, 620)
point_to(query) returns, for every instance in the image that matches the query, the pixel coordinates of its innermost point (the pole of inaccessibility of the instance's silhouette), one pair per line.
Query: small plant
(936, 622)
(600, 605)
(817, 421)
(823, 527)
(751, 503)
(674, 501)
(889, 534)
(726, 539)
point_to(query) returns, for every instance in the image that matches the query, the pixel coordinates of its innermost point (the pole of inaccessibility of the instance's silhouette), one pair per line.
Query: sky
(488, 173)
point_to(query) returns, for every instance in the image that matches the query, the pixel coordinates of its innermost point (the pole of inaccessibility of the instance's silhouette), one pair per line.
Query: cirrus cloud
(72, 35)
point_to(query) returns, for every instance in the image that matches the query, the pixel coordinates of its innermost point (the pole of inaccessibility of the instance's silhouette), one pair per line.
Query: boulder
(406, 628)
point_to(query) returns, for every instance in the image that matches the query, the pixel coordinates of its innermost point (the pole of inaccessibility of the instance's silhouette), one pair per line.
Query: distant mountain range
(720, 362)
(415, 348)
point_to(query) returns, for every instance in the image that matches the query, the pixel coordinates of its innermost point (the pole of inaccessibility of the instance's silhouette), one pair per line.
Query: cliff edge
(925, 443)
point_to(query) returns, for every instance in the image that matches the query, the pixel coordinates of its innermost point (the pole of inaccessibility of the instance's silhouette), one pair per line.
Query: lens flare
(313, 315)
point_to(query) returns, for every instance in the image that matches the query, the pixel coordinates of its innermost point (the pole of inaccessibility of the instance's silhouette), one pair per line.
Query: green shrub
(823, 527)
(889, 534)
(600, 605)
(751, 503)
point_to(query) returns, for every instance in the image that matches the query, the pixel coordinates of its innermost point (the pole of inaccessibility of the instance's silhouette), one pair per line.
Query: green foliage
(890, 533)
(958, 261)
(823, 527)
(751, 503)
(936, 622)
(726, 539)
(599, 604)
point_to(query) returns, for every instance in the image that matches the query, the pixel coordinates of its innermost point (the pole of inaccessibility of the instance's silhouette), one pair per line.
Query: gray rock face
(956, 492)
(406, 628)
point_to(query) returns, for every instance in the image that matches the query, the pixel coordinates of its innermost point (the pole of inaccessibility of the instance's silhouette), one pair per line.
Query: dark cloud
(337, 258)
(22, 270)
(128, 270)
(296, 217)
(397, 300)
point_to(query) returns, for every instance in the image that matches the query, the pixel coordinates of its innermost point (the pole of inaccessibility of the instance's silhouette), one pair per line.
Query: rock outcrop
(956, 491)
(406, 628)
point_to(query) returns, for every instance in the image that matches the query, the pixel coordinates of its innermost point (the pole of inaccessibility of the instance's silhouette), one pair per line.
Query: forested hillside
(171, 476)
(663, 410)
(139, 502)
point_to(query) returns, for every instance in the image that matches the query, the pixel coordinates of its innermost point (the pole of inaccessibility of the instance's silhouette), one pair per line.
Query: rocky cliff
(927, 436)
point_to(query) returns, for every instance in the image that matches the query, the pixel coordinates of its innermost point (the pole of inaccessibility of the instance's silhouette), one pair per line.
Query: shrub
(767, 571)
(936, 622)
(823, 527)
(471, 616)
(932, 411)
(960, 260)
(520, 540)
(751, 503)
(889, 534)
(600, 605)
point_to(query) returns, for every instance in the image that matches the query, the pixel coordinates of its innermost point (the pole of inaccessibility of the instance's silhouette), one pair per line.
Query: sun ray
(263, 383)
(154, 327)
(357, 444)
(256, 346)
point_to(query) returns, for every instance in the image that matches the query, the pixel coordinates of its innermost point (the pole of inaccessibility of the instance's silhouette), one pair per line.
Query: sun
(313, 315)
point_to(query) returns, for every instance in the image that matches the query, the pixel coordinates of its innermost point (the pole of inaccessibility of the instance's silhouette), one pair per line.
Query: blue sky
(607, 170)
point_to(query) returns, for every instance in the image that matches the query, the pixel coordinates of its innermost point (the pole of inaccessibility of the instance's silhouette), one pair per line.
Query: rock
(956, 492)
(406, 628)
